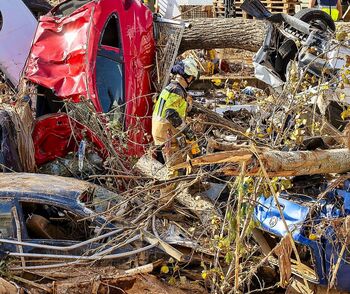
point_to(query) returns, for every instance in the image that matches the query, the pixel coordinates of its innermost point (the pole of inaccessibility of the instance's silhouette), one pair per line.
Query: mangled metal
(101, 52)
(52, 222)
(307, 38)
(59, 219)
(305, 216)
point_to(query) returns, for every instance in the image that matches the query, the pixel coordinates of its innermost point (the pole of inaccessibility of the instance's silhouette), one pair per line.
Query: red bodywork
(65, 132)
(63, 59)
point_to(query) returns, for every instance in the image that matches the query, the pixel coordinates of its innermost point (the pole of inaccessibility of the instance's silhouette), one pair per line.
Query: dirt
(137, 284)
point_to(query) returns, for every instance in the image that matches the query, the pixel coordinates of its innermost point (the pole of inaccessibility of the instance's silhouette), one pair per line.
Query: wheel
(317, 18)
(38, 7)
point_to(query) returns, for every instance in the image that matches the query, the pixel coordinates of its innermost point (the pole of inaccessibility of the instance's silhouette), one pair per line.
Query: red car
(100, 51)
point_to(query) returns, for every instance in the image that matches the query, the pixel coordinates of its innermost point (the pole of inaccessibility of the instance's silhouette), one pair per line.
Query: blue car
(319, 229)
(43, 216)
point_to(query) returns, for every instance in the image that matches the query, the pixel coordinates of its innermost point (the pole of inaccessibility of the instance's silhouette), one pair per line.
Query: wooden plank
(216, 158)
(163, 246)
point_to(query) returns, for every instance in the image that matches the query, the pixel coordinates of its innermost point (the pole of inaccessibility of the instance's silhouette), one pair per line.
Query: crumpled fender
(57, 134)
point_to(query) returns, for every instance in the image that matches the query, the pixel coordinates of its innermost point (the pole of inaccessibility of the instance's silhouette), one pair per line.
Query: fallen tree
(238, 33)
(209, 33)
(277, 163)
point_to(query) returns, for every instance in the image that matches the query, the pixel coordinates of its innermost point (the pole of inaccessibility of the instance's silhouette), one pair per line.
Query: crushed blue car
(57, 218)
(318, 228)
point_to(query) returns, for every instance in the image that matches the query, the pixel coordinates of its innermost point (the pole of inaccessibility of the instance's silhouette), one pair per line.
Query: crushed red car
(97, 51)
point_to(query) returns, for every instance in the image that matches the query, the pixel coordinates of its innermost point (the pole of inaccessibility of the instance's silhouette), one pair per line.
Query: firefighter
(170, 110)
(332, 7)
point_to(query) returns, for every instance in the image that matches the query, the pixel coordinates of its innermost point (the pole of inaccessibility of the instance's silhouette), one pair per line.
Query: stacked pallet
(275, 6)
(196, 11)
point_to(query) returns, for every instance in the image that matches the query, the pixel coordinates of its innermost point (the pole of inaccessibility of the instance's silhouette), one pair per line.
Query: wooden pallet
(275, 6)
(196, 11)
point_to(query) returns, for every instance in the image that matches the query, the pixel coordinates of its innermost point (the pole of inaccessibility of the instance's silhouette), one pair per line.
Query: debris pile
(263, 206)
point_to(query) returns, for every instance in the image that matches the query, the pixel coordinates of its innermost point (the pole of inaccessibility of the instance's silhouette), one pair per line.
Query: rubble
(265, 207)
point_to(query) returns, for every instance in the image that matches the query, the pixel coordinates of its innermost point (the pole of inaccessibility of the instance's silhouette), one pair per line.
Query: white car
(17, 28)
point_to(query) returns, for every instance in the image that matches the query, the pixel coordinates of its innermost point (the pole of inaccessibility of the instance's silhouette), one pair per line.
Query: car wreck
(60, 219)
(258, 198)
(306, 217)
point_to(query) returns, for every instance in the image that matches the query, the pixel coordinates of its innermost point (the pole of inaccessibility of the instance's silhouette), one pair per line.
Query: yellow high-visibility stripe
(332, 11)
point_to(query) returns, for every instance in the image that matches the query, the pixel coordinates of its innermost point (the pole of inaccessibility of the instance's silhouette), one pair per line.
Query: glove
(195, 150)
(190, 135)
(173, 117)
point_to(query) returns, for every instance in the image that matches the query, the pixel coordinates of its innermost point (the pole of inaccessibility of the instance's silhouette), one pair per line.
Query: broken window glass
(110, 35)
(6, 220)
(44, 221)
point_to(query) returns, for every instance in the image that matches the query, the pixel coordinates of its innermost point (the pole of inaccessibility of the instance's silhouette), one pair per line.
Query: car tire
(38, 7)
(312, 15)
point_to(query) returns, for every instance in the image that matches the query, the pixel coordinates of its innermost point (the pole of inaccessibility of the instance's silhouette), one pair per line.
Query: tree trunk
(211, 33)
(238, 33)
(278, 163)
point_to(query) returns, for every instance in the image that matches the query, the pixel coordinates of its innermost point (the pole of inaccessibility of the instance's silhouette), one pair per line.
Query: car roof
(41, 186)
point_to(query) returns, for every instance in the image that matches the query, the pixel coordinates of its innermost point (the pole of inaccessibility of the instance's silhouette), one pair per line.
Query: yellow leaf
(216, 82)
(345, 114)
(286, 184)
(313, 237)
(345, 79)
(204, 275)
(172, 281)
(341, 36)
(347, 64)
(235, 86)
(230, 94)
(324, 87)
(164, 269)
(341, 96)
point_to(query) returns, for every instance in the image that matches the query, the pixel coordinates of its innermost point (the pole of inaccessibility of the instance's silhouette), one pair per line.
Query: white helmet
(191, 67)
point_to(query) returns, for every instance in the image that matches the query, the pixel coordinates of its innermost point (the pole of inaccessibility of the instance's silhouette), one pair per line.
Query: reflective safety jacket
(173, 97)
(330, 7)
